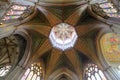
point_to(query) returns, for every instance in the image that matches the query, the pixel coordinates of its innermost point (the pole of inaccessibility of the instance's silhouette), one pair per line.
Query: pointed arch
(63, 77)
(108, 67)
(33, 72)
(92, 72)
(27, 52)
(12, 48)
(63, 71)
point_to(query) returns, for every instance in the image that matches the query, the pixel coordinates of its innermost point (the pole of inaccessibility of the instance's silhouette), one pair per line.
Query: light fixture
(63, 36)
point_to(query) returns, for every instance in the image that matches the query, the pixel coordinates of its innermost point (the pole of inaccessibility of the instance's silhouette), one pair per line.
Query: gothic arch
(63, 71)
(100, 56)
(27, 52)
(106, 67)
(63, 77)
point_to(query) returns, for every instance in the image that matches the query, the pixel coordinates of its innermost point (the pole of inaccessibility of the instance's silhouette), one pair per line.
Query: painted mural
(110, 45)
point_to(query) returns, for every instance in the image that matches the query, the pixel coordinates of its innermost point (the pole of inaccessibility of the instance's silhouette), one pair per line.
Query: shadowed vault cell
(63, 36)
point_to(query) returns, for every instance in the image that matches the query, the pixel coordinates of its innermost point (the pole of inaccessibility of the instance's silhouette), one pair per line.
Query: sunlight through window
(4, 70)
(16, 11)
(92, 72)
(33, 73)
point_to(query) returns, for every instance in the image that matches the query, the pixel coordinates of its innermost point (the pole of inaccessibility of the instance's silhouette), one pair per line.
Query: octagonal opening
(63, 36)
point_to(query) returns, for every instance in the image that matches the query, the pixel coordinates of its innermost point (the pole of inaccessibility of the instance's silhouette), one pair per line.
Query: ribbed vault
(66, 64)
(11, 50)
(55, 58)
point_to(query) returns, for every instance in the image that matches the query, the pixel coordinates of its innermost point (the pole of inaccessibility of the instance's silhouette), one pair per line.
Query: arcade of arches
(59, 40)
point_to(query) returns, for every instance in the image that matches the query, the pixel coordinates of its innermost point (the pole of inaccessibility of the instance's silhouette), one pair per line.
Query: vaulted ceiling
(39, 24)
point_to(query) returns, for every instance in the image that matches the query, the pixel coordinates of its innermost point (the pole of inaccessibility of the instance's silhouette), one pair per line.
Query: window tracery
(18, 7)
(92, 72)
(17, 12)
(108, 8)
(34, 72)
(4, 70)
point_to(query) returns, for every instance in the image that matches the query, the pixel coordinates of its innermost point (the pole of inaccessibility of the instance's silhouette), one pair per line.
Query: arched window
(92, 72)
(109, 9)
(33, 73)
(4, 70)
(106, 8)
(17, 11)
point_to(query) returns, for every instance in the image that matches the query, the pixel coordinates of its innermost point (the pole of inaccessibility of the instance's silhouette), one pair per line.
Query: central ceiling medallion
(63, 36)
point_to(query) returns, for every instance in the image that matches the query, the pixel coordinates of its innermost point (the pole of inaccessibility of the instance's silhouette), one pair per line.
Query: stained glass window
(33, 73)
(113, 15)
(11, 12)
(92, 72)
(10, 17)
(63, 36)
(106, 9)
(4, 70)
(16, 11)
(106, 5)
(18, 7)
(109, 9)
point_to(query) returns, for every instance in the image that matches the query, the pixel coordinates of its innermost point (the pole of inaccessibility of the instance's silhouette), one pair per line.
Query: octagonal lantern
(63, 36)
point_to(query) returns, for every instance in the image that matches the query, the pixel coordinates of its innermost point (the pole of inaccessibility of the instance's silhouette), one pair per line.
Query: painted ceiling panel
(110, 45)
(41, 47)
